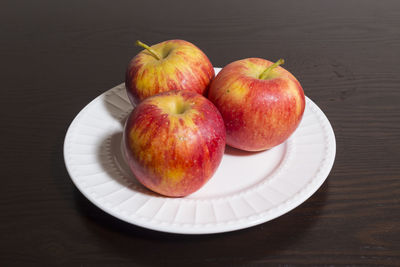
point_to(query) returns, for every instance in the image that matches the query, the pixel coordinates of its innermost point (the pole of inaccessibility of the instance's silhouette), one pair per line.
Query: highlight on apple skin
(167, 66)
(261, 103)
(174, 142)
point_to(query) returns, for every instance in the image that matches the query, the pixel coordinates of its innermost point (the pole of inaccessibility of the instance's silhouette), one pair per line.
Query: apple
(261, 103)
(166, 66)
(174, 142)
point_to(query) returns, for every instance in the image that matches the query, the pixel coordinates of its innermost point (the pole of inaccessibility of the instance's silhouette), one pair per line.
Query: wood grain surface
(56, 56)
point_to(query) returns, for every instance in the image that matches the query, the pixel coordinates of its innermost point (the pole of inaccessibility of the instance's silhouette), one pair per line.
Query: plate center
(240, 170)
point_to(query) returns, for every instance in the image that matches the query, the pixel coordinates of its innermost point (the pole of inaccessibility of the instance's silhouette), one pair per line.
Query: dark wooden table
(56, 56)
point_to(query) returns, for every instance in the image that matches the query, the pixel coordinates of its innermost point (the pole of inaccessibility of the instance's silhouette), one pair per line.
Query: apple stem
(267, 71)
(148, 48)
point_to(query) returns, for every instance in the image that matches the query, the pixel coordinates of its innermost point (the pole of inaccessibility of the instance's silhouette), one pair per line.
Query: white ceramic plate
(247, 189)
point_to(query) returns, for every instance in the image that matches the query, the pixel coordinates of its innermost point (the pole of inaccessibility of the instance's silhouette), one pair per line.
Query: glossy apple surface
(174, 142)
(174, 65)
(259, 111)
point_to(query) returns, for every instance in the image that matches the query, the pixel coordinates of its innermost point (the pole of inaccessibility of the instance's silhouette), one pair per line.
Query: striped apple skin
(258, 114)
(174, 142)
(183, 67)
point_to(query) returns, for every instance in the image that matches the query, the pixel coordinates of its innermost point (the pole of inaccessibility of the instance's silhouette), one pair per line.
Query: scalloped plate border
(252, 217)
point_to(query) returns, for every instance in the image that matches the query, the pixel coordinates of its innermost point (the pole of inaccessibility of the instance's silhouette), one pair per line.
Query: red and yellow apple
(174, 142)
(166, 66)
(261, 103)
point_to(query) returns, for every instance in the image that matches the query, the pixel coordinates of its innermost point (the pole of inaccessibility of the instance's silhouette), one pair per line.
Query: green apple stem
(148, 48)
(268, 70)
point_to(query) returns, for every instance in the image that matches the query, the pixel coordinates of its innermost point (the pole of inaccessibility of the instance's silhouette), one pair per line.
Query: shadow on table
(139, 245)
